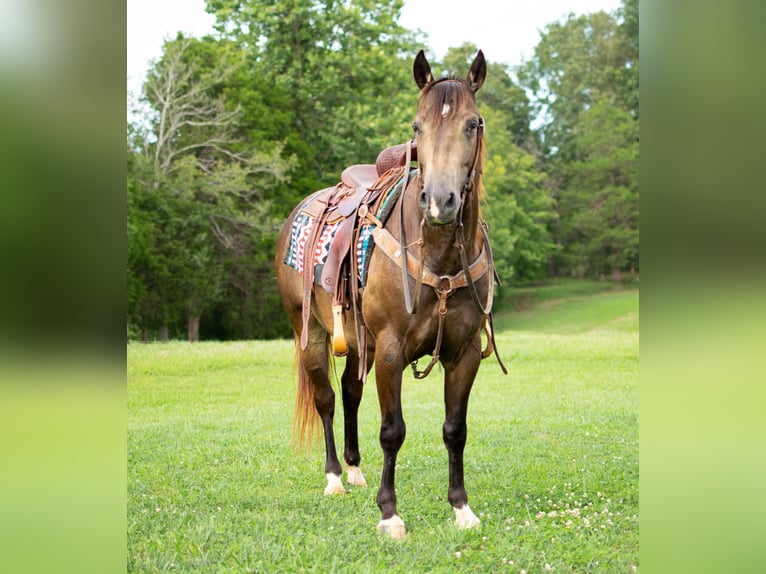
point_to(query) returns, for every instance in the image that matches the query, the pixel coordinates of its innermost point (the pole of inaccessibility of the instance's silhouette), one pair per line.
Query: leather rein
(444, 285)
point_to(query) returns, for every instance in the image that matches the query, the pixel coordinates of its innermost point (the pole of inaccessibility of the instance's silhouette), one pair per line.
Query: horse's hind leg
(315, 363)
(352, 396)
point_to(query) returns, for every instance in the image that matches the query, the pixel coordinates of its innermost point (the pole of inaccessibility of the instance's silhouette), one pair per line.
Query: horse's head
(448, 130)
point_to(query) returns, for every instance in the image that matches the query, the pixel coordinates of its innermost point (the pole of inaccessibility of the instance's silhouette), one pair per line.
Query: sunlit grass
(551, 461)
(563, 309)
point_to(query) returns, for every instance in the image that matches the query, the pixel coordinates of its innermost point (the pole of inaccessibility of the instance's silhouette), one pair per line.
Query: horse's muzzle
(439, 208)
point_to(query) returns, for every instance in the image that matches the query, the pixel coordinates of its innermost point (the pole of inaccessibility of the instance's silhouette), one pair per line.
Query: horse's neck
(439, 243)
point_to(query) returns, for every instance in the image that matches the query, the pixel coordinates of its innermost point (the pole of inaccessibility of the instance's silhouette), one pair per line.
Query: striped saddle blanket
(304, 221)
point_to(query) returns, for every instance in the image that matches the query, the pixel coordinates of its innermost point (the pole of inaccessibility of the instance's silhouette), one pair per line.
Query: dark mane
(452, 91)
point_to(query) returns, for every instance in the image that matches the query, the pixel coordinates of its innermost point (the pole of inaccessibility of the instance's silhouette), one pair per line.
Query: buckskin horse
(390, 265)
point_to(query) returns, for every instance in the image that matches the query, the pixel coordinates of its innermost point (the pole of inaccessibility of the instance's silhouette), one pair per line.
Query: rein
(409, 304)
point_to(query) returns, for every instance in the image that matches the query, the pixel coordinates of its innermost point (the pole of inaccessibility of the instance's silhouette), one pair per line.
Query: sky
(506, 30)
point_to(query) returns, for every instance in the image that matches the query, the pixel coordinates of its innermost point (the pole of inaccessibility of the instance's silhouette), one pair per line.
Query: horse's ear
(422, 70)
(477, 73)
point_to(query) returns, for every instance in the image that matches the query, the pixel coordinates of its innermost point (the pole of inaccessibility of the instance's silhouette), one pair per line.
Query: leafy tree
(202, 177)
(331, 81)
(336, 64)
(583, 80)
(628, 37)
(577, 61)
(519, 210)
(602, 203)
(148, 304)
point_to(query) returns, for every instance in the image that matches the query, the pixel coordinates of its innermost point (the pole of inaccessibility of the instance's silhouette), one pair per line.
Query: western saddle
(339, 205)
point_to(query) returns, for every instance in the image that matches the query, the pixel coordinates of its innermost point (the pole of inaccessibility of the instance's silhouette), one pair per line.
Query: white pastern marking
(465, 518)
(355, 476)
(445, 110)
(393, 526)
(334, 485)
(433, 210)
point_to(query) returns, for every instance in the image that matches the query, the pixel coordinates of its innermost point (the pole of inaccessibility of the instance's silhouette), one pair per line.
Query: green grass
(525, 297)
(572, 307)
(551, 462)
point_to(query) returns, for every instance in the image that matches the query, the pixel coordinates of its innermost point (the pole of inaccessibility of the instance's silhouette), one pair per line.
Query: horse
(430, 296)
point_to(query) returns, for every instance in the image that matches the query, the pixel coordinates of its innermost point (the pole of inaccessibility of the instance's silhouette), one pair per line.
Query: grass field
(551, 462)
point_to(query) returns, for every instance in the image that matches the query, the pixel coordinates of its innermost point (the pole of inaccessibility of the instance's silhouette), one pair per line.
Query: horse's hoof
(334, 485)
(355, 476)
(465, 518)
(393, 527)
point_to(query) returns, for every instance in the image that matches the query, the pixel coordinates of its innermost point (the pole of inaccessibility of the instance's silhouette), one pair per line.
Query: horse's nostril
(422, 199)
(450, 201)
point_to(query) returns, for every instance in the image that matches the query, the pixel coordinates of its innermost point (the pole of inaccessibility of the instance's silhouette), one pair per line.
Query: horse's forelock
(451, 92)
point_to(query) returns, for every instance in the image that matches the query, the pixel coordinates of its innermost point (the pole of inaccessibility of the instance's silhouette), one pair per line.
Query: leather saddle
(339, 206)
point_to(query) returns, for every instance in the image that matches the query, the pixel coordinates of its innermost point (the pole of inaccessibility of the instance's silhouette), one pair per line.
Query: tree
(338, 67)
(148, 304)
(197, 178)
(583, 80)
(602, 203)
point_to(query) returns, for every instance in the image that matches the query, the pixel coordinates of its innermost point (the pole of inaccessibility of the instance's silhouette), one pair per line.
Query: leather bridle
(445, 285)
(410, 302)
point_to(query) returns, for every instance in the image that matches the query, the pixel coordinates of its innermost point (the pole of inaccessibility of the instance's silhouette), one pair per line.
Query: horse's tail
(306, 416)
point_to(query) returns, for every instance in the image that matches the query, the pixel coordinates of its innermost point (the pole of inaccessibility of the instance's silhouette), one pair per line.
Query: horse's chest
(457, 325)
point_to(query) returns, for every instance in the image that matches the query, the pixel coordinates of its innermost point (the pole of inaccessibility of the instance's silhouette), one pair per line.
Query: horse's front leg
(388, 375)
(458, 380)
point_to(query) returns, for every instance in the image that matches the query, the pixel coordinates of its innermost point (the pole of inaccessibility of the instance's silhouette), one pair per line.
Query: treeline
(232, 130)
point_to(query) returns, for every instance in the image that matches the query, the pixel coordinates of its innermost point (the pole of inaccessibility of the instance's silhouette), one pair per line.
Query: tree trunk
(144, 335)
(164, 334)
(193, 328)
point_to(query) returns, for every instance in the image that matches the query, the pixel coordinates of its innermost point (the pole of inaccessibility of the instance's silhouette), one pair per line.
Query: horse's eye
(472, 126)
(416, 128)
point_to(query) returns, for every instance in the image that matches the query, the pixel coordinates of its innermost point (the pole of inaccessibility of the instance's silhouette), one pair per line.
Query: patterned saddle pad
(301, 228)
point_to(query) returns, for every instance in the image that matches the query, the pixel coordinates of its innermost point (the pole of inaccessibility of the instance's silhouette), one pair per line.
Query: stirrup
(339, 346)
